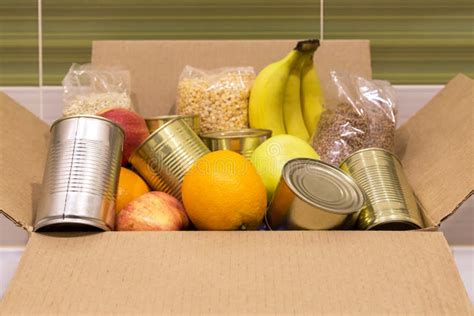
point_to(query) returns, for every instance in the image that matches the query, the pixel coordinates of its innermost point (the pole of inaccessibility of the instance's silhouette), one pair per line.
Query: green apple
(270, 157)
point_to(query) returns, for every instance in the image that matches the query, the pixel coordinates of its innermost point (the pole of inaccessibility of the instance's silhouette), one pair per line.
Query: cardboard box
(284, 272)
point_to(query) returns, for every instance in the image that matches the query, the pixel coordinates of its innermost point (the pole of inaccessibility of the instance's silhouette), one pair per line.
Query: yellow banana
(292, 112)
(311, 96)
(268, 91)
(267, 95)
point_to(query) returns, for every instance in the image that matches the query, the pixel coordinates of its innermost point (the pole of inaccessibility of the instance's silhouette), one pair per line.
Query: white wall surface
(459, 228)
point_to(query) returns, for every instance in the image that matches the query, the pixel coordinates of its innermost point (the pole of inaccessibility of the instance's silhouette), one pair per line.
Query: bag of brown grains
(219, 96)
(363, 115)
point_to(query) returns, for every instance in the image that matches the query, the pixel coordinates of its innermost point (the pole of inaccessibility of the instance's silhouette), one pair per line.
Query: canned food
(242, 141)
(391, 204)
(314, 195)
(153, 123)
(81, 175)
(166, 155)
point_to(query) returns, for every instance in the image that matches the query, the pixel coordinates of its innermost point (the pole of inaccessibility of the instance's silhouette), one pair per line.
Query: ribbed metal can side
(391, 203)
(81, 174)
(167, 154)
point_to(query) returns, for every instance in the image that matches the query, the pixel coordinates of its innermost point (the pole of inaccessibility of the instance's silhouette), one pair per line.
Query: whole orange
(222, 191)
(130, 187)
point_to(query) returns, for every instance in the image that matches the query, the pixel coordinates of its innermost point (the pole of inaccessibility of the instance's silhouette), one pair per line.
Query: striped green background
(413, 41)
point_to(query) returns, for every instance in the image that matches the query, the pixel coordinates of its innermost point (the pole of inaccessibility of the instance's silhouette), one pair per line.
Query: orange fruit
(130, 187)
(222, 191)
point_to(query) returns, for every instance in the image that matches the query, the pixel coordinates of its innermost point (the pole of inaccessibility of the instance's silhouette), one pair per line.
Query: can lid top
(371, 151)
(155, 132)
(323, 186)
(171, 116)
(87, 117)
(238, 133)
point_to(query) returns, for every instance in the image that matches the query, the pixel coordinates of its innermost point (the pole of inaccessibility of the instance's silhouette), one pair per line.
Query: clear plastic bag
(219, 96)
(89, 90)
(363, 115)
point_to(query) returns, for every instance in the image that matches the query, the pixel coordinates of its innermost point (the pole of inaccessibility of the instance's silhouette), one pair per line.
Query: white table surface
(464, 257)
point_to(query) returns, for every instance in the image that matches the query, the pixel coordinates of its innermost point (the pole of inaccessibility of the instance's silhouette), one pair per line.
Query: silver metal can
(313, 195)
(391, 204)
(81, 175)
(242, 141)
(153, 123)
(166, 155)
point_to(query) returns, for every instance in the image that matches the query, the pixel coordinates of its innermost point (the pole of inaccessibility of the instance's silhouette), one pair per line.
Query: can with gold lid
(242, 141)
(166, 155)
(391, 203)
(313, 195)
(153, 123)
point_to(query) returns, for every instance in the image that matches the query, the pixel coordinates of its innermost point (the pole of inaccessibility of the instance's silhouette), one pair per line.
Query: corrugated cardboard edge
(434, 152)
(285, 272)
(18, 223)
(23, 150)
(457, 207)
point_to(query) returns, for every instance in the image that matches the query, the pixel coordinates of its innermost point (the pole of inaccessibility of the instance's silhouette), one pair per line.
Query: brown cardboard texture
(23, 148)
(238, 273)
(336, 272)
(155, 66)
(436, 147)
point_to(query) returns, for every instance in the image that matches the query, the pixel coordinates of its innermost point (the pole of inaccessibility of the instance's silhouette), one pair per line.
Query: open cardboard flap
(23, 150)
(238, 273)
(436, 147)
(155, 66)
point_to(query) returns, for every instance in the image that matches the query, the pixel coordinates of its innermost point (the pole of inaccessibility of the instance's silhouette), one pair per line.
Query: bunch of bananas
(286, 95)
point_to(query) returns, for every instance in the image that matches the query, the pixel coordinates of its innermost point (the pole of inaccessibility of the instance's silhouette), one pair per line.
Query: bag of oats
(89, 89)
(220, 96)
(363, 115)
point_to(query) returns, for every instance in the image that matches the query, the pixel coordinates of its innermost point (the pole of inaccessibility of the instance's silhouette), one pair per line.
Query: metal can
(242, 141)
(166, 155)
(153, 123)
(313, 195)
(391, 204)
(81, 175)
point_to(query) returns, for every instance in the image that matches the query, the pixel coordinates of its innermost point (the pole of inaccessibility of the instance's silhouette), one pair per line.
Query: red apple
(133, 125)
(152, 211)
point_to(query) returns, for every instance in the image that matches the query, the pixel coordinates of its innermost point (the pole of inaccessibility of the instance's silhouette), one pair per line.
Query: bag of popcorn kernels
(220, 96)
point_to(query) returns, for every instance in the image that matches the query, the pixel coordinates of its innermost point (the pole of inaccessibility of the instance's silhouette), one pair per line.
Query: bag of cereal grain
(220, 96)
(363, 115)
(89, 89)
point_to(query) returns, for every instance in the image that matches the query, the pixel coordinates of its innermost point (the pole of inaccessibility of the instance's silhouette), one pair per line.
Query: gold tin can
(313, 195)
(242, 141)
(153, 123)
(166, 155)
(391, 204)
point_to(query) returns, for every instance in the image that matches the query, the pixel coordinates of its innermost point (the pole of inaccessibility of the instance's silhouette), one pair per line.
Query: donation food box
(243, 272)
